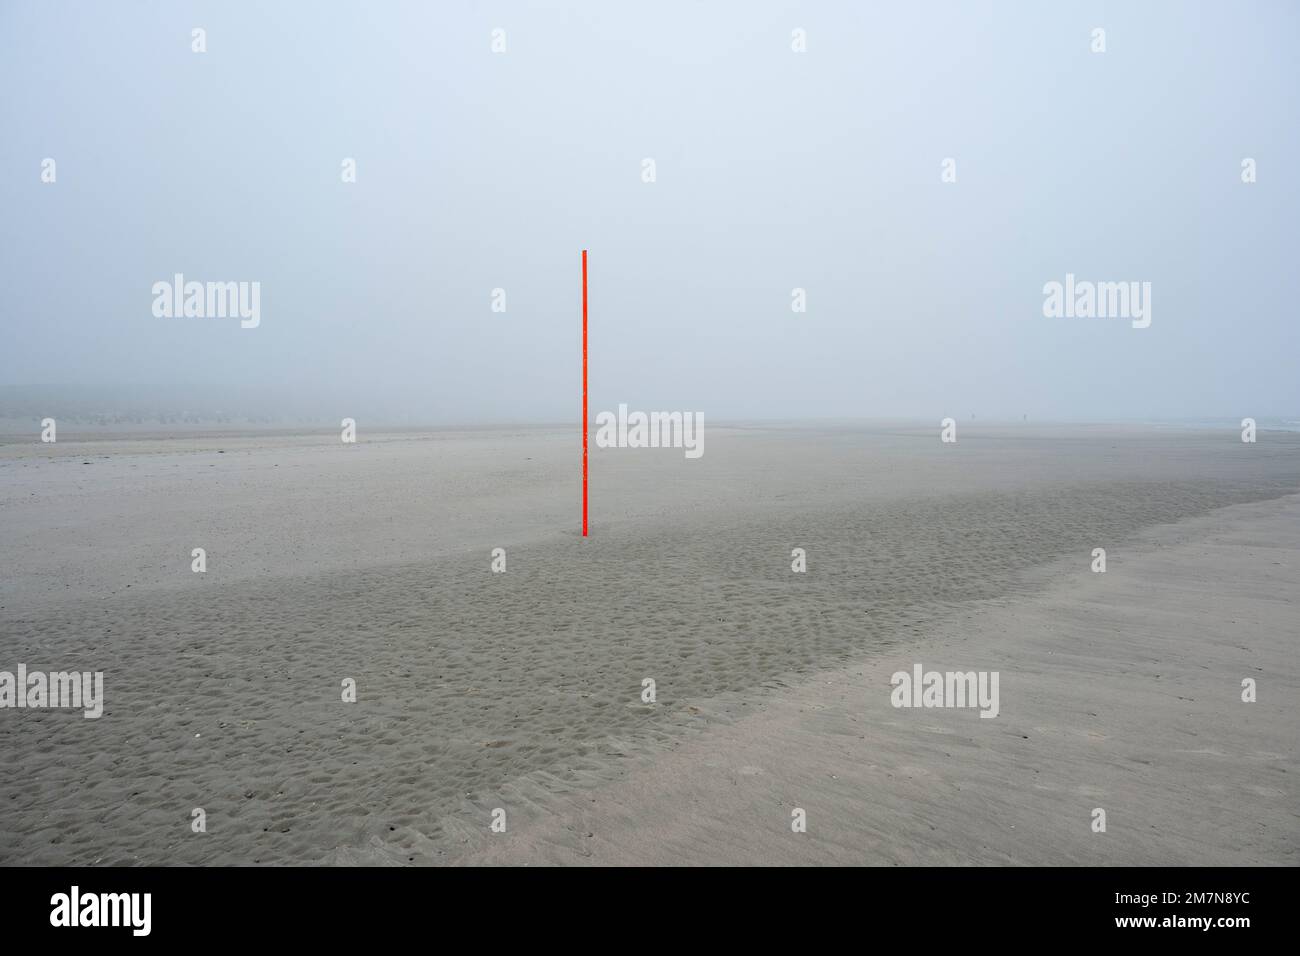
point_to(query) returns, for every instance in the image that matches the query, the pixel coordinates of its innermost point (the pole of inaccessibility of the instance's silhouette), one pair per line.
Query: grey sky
(775, 170)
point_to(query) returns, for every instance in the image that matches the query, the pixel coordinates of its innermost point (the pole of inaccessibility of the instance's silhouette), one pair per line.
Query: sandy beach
(1120, 692)
(522, 690)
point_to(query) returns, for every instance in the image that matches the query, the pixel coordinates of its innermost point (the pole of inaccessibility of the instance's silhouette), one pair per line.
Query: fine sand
(523, 690)
(1119, 691)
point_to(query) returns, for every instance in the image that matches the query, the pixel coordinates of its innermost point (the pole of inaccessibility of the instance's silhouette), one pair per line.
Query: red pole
(584, 393)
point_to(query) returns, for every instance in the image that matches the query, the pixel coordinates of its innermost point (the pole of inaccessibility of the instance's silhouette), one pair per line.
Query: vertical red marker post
(584, 393)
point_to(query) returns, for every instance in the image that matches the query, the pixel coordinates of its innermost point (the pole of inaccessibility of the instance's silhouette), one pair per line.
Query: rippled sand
(372, 563)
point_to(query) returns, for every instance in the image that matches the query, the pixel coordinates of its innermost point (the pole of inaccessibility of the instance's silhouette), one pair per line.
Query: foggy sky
(775, 170)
